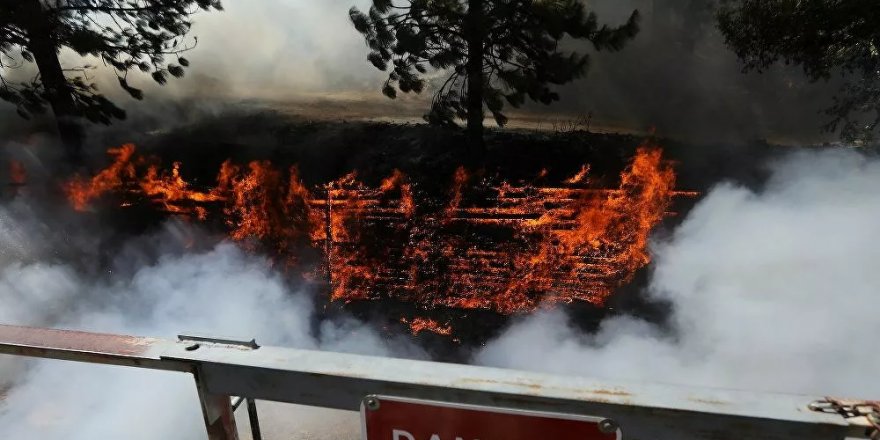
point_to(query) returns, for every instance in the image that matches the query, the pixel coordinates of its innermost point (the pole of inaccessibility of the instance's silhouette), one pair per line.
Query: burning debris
(488, 244)
(418, 325)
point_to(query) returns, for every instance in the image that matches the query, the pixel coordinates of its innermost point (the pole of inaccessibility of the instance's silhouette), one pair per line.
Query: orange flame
(170, 191)
(418, 325)
(260, 205)
(458, 181)
(580, 176)
(81, 191)
(493, 245)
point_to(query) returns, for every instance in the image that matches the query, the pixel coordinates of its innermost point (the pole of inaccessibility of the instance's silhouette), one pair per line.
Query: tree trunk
(475, 35)
(57, 91)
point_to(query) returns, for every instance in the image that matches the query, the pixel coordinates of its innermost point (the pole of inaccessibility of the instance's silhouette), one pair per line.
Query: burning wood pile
(486, 244)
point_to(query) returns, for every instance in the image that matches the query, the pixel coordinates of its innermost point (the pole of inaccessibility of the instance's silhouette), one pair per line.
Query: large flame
(82, 191)
(490, 244)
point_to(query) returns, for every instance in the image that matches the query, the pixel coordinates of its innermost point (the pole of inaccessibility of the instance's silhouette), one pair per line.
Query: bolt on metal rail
(228, 372)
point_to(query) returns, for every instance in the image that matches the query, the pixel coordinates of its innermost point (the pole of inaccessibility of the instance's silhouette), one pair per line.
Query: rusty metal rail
(224, 368)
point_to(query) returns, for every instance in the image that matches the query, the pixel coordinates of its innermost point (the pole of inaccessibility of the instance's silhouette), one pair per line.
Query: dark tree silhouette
(147, 35)
(493, 50)
(827, 38)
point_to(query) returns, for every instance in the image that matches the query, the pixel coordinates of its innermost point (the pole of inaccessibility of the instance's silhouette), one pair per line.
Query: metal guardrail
(224, 368)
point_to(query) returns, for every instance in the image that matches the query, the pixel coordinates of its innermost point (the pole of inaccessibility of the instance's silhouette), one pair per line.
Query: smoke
(302, 56)
(177, 279)
(305, 57)
(281, 48)
(771, 290)
(308, 52)
(679, 77)
(272, 50)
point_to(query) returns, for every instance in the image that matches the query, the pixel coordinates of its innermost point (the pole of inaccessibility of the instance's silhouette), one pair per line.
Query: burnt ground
(325, 151)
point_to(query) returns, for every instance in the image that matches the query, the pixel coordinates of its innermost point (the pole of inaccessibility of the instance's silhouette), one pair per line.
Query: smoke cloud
(175, 280)
(771, 290)
(277, 49)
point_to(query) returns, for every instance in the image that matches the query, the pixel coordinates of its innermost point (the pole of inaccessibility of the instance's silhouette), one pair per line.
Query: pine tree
(147, 35)
(827, 38)
(494, 51)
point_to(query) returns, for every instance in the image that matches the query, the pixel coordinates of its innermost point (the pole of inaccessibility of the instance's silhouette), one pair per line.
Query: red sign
(389, 418)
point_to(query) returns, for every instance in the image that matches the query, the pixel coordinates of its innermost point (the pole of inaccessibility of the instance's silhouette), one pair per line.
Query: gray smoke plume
(775, 290)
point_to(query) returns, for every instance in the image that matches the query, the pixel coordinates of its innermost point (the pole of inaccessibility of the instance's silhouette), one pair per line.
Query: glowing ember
(491, 245)
(418, 325)
(17, 173)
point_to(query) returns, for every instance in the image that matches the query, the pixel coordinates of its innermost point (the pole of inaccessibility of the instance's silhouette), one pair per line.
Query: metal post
(254, 419)
(217, 412)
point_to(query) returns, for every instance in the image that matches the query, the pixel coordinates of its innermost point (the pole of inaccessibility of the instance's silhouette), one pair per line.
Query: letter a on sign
(392, 418)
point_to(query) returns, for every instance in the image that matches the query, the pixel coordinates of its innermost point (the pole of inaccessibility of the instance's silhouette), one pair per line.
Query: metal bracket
(251, 344)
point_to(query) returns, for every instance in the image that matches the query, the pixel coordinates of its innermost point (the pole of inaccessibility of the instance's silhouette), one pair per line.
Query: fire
(491, 244)
(169, 191)
(260, 205)
(81, 192)
(580, 176)
(418, 325)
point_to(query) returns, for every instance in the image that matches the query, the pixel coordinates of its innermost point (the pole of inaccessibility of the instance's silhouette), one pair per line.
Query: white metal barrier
(227, 372)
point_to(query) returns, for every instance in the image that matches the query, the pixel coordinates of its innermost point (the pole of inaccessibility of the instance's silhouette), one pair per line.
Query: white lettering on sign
(399, 434)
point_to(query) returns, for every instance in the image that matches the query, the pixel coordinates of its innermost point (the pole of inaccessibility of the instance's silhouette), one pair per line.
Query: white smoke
(271, 49)
(774, 290)
(219, 290)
